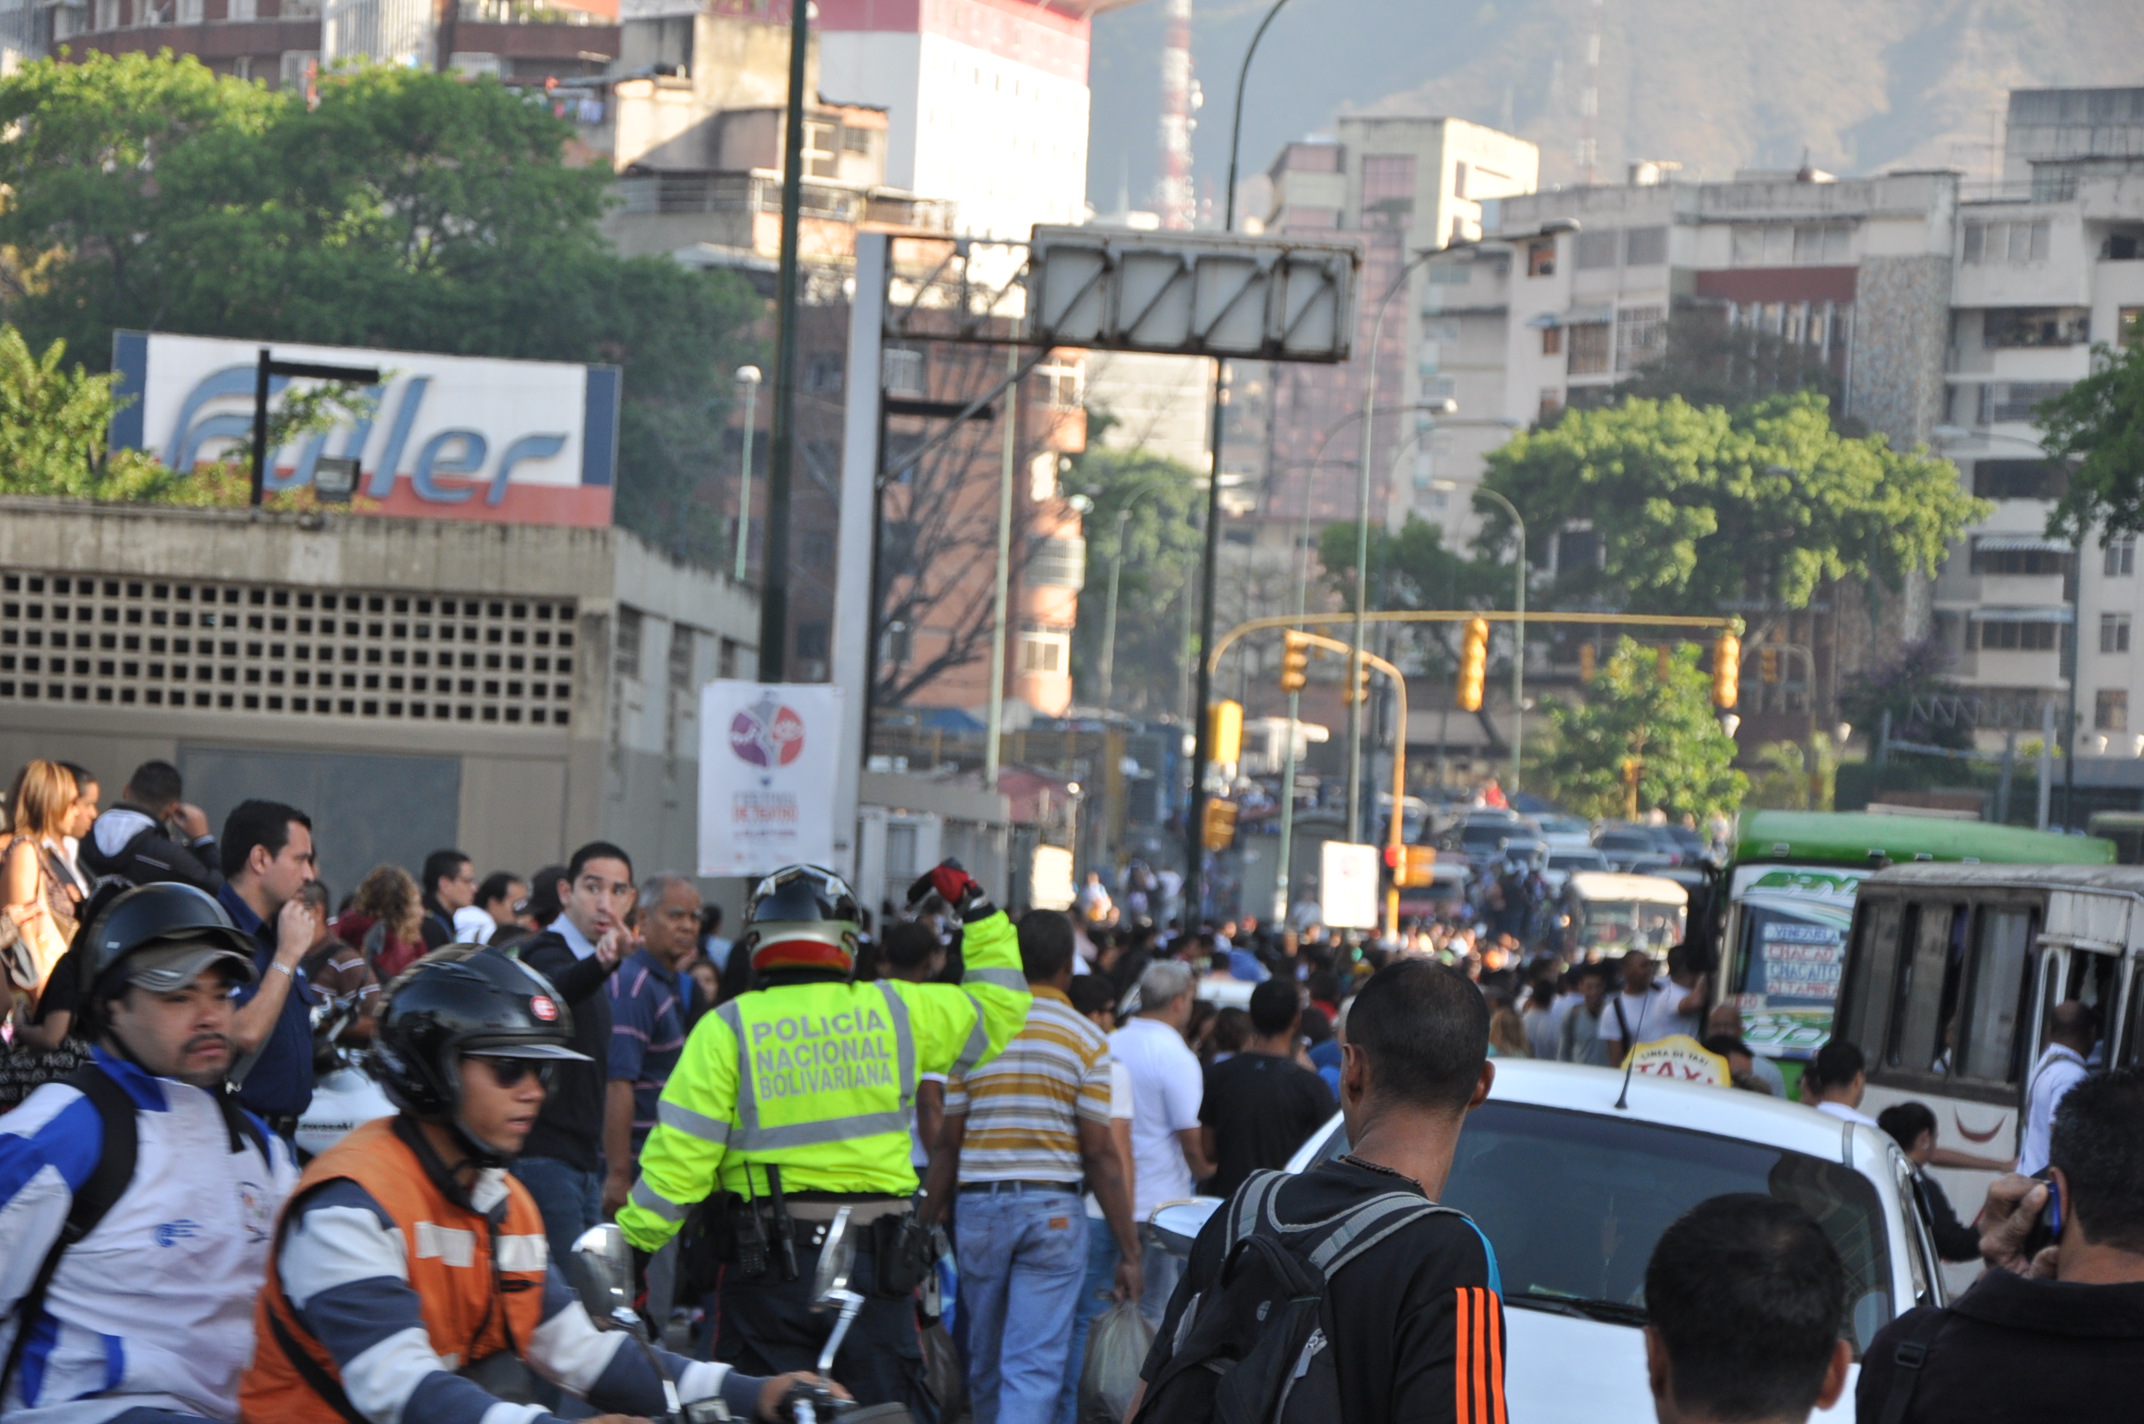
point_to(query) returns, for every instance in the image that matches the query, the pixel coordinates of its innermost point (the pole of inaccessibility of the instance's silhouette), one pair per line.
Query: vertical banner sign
(1347, 885)
(768, 753)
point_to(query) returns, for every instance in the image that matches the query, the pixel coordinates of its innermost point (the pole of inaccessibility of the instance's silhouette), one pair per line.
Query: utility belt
(757, 1239)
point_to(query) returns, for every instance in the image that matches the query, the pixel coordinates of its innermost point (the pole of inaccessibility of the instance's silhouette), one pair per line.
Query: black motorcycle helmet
(464, 999)
(166, 918)
(802, 917)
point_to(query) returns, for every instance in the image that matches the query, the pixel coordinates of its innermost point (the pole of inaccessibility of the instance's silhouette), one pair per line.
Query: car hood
(1562, 1370)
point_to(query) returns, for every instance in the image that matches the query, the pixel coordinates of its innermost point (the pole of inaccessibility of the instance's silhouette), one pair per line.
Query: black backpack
(1254, 1348)
(108, 1182)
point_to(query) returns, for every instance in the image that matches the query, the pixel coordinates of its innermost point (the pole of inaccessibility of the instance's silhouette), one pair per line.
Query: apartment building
(1402, 185)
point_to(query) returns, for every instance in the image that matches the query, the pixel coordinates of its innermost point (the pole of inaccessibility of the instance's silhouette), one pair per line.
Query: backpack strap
(1910, 1353)
(108, 1181)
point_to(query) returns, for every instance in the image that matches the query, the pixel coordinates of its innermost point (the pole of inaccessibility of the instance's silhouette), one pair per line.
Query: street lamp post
(1518, 626)
(1209, 570)
(749, 378)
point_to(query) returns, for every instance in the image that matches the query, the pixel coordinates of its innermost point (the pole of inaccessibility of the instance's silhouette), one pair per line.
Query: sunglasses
(512, 1072)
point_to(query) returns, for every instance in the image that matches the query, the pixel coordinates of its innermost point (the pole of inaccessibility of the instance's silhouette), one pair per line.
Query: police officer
(411, 1278)
(794, 1100)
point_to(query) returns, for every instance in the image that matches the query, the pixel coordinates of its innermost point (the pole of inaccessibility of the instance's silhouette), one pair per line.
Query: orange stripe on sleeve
(1493, 1318)
(1481, 1354)
(1460, 1412)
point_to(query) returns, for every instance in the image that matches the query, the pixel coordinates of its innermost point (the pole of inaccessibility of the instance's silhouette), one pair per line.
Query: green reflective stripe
(1011, 979)
(818, 1134)
(978, 1044)
(684, 1119)
(747, 1100)
(646, 1197)
(897, 1010)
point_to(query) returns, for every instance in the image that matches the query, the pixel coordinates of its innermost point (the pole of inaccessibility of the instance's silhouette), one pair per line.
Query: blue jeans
(570, 1199)
(1096, 1294)
(1161, 1271)
(1023, 1254)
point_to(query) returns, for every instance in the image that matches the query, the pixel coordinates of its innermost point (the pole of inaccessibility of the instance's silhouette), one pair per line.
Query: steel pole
(1362, 552)
(1109, 618)
(774, 560)
(744, 476)
(1001, 599)
(1195, 808)
(1518, 632)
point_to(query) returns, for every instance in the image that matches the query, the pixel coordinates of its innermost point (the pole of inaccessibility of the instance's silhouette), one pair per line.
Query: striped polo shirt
(1023, 1106)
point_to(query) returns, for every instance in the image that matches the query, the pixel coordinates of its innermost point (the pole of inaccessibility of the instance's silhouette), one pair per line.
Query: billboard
(448, 437)
(768, 754)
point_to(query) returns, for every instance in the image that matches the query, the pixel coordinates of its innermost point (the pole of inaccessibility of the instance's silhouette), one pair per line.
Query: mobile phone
(2048, 1229)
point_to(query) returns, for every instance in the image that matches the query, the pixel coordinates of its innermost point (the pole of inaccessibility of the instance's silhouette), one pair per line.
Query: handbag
(34, 936)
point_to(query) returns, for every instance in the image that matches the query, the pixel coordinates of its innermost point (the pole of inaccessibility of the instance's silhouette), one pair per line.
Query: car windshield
(1573, 1203)
(1624, 840)
(1576, 860)
(1483, 837)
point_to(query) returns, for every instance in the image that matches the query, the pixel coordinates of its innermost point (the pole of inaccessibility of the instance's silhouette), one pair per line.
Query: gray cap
(176, 963)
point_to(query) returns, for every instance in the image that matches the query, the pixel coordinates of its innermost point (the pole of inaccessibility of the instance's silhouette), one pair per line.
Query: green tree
(53, 425)
(2098, 426)
(1160, 555)
(1915, 675)
(1631, 713)
(404, 209)
(1700, 508)
(1705, 363)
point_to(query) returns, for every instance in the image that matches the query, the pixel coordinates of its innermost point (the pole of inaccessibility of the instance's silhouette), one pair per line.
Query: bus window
(2093, 980)
(1921, 1018)
(1997, 995)
(1944, 1057)
(1909, 939)
(1871, 967)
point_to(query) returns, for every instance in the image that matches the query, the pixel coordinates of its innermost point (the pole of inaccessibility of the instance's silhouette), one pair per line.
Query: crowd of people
(581, 1044)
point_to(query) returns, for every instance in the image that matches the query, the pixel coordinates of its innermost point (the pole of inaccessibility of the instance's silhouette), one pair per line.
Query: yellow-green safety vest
(819, 1079)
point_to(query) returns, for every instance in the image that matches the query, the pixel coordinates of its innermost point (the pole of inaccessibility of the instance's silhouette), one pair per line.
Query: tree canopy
(1159, 561)
(2098, 426)
(1631, 713)
(1702, 508)
(404, 209)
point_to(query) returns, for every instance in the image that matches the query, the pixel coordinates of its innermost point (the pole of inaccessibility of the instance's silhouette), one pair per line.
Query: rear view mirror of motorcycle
(603, 1267)
(837, 1261)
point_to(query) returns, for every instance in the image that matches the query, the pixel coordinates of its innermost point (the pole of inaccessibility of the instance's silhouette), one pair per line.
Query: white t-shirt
(919, 1153)
(1651, 1014)
(2059, 1070)
(1846, 1114)
(1120, 1106)
(1167, 1088)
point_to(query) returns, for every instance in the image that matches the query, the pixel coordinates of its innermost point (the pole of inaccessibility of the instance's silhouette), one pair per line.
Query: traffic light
(1357, 690)
(1664, 662)
(1726, 670)
(1473, 664)
(1219, 829)
(1412, 866)
(1294, 663)
(1585, 662)
(1224, 732)
(1768, 665)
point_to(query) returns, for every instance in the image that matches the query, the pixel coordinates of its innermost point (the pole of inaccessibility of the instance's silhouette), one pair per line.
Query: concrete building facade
(513, 690)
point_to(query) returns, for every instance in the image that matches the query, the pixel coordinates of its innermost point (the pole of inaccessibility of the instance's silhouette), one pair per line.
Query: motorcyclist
(411, 1278)
(136, 1196)
(794, 1101)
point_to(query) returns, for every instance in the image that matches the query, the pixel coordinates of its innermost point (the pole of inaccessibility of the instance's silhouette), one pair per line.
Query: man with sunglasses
(791, 1107)
(410, 1277)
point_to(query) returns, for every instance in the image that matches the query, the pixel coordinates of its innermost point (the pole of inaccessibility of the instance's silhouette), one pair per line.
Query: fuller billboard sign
(447, 437)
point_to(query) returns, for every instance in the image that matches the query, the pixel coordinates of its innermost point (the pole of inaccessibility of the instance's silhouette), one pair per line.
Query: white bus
(1951, 972)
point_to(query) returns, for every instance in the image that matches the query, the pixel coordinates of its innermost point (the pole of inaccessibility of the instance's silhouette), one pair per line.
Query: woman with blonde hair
(385, 920)
(38, 900)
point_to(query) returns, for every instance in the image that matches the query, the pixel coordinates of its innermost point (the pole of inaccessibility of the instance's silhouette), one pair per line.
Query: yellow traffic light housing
(1586, 657)
(1726, 670)
(1412, 866)
(1224, 731)
(1219, 830)
(1768, 665)
(1473, 664)
(1357, 689)
(1295, 663)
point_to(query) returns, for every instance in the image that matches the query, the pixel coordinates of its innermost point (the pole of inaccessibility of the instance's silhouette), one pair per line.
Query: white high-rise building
(987, 100)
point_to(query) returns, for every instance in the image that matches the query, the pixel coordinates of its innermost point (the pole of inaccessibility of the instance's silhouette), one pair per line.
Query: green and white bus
(1791, 889)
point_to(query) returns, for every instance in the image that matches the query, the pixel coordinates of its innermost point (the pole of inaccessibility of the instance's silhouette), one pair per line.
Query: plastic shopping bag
(1116, 1349)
